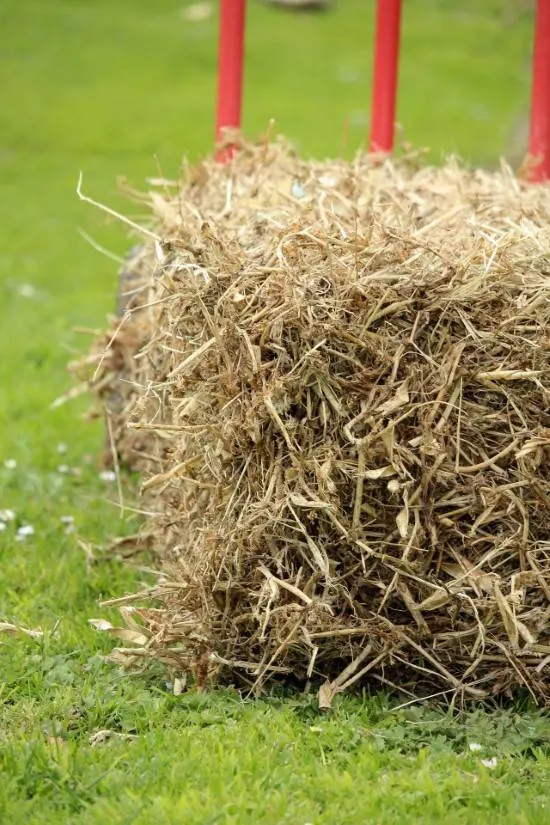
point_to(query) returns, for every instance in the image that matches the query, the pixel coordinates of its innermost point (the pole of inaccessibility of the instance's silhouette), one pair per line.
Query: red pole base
(538, 166)
(230, 70)
(386, 60)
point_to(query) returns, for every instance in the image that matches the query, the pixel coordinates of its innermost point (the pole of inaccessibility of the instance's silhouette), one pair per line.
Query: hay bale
(348, 368)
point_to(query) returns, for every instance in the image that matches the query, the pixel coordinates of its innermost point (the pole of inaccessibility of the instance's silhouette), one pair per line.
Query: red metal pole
(230, 68)
(539, 139)
(384, 89)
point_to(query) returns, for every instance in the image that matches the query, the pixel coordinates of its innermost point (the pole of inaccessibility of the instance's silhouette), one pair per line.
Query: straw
(343, 380)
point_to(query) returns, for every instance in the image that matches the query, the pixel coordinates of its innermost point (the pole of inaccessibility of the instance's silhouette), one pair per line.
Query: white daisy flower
(24, 532)
(27, 291)
(68, 522)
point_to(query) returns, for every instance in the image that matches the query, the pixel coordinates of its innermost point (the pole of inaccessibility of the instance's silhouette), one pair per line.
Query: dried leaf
(301, 501)
(6, 627)
(380, 472)
(180, 685)
(325, 696)
(402, 521)
(436, 600)
(508, 618)
(399, 400)
(100, 737)
(123, 633)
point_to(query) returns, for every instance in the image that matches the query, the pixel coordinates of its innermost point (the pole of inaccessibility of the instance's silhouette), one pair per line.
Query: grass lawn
(121, 89)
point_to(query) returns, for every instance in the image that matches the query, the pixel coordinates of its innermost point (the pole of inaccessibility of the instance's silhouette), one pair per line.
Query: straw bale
(347, 369)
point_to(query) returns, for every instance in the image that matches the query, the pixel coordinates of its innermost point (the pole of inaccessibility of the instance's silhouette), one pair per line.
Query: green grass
(202, 759)
(121, 89)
